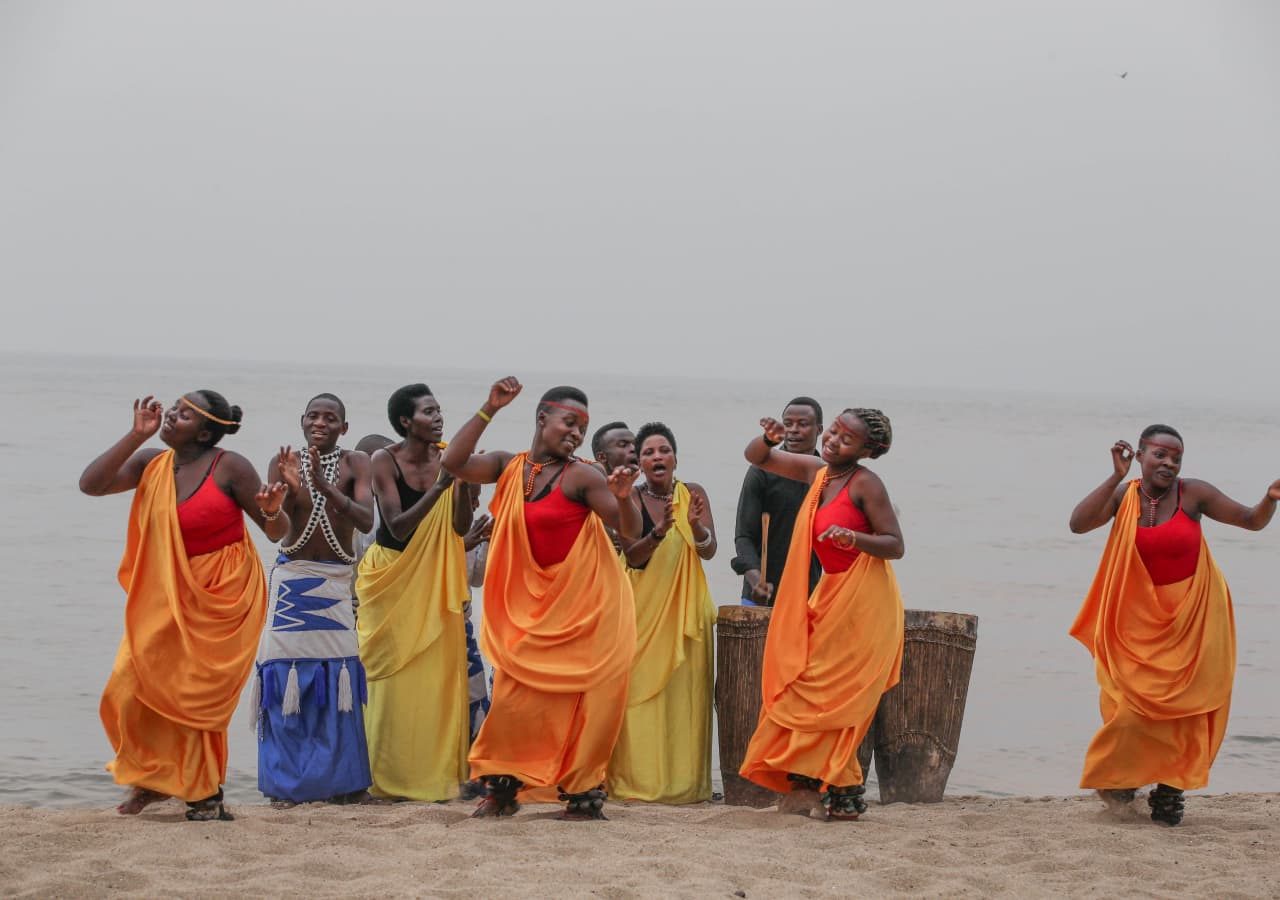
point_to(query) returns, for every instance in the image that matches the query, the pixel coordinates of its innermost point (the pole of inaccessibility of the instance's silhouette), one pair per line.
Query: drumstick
(764, 548)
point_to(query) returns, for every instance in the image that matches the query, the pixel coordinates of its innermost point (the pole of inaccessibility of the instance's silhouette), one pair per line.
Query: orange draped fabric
(561, 640)
(828, 658)
(1165, 657)
(190, 637)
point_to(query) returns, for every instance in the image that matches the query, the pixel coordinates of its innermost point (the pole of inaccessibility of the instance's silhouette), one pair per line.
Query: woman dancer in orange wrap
(559, 620)
(1159, 624)
(830, 654)
(196, 599)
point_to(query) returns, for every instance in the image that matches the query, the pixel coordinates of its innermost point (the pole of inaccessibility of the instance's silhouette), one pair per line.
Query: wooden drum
(740, 636)
(917, 727)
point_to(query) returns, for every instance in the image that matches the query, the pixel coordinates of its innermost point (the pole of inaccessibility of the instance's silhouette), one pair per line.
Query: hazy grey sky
(959, 193)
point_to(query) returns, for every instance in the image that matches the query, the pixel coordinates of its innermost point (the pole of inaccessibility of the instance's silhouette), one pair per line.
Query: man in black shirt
(764, 492)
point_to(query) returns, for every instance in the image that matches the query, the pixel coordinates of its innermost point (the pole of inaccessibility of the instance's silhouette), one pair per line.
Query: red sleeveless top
(209, 519)
(1170, 550)
(841, 511)
(553, 522)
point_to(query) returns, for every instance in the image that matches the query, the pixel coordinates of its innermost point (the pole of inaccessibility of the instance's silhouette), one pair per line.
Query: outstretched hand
(844, 538)
(480, 531)
(668, 522)
(1122, 457)
(620, 481)
(148, 413)
(314, 471)
(774, 432)
(504, 391)
(290, 470)
(270, 497)
(697, 506)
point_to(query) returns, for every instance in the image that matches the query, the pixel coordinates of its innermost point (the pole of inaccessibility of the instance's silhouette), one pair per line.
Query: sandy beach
(1026, 847)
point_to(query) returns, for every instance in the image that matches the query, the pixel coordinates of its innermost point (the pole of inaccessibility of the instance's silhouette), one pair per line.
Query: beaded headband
(208, 415)
(576, 410)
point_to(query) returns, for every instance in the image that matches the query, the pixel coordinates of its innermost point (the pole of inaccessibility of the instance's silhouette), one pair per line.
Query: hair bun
(236, 415)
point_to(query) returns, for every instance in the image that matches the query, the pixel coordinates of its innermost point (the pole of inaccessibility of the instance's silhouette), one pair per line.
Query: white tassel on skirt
(292, 704)
(255, 702)
(345, 703)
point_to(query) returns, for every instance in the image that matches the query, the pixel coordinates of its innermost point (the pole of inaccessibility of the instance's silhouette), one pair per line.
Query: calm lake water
(984, 483)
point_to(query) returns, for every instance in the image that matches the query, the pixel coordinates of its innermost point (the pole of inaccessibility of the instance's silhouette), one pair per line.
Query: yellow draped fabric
(413, 648)
(663, 754)
(561, 640)
(828, 658)
(1165, 657)
(191, 629)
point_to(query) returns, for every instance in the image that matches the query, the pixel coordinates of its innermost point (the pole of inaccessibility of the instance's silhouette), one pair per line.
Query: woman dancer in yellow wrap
(412, 584)
(559, 623)
(195, 599)
(663, 754)
(832, 653)
(1159, 624)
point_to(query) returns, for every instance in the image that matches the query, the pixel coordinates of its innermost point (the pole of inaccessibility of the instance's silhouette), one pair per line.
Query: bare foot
(801, 802)
(139, 799)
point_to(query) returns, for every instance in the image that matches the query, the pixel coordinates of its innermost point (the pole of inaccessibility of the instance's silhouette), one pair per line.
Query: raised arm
(263, 503)
(120, 466)
(611, 499)
(763, 452)
(1099, 505)
(1211, 502)
(356, 506)
(360, 501)
(399, 521)
(640, 551)
(460, 458)
(701, 521)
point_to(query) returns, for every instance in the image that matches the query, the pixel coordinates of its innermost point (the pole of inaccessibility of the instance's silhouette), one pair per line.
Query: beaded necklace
(1153, 503)
(329, 472)
(654, 494)
(534, 469)
(827, 477)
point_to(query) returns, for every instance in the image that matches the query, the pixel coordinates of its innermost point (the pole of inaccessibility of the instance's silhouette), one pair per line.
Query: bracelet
(269, 518)
(768, 443)
(657, 537)
(484, 415)
(706, 542)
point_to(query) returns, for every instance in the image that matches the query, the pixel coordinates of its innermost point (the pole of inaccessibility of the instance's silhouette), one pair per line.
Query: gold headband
(208, 415)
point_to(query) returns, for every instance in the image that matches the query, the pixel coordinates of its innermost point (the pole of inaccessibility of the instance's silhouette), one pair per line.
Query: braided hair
(879, 431)
(218, 406)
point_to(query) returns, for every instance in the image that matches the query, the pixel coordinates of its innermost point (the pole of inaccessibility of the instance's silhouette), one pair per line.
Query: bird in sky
(1123, 75)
